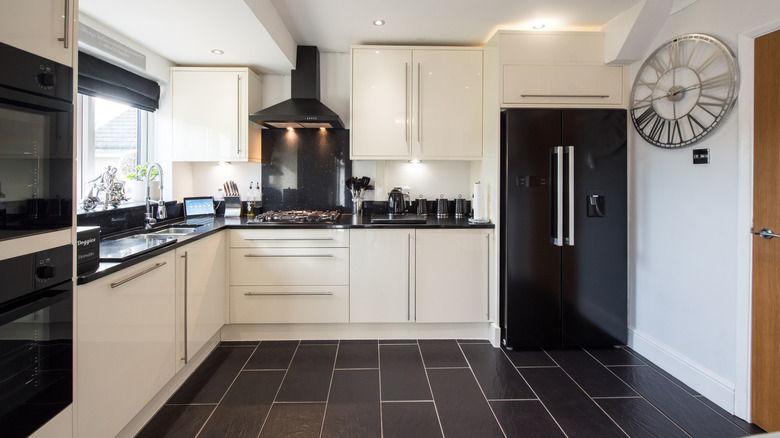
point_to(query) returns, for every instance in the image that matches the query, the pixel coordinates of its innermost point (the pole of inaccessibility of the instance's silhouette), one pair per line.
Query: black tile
(529, 358)
(358, 354)
(213, 377)
(410, 419)
(403, 374)
(294, 420)
(308, 377)
(496, 375)
(594, 378)
(663, 372)
(179, 421)
(242, 411)
(742, 424)
(398, 341)
(575, 412)
(441, 354)
(687, 411)
(353, 405)
(272, 355)
(320, 342)
(527, 418)
(463, 410)
(239, 343)
(615, 356)
(639, 418)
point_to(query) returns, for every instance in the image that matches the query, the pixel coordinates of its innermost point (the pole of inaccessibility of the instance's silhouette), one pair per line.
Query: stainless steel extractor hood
(304, 110)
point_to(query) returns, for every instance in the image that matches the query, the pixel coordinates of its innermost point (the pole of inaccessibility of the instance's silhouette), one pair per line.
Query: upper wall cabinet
(421, 103)
(210, 111)
(559, 69)
(42, 27)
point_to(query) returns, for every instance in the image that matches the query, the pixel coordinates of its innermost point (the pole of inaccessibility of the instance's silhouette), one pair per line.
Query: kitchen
(688, 303)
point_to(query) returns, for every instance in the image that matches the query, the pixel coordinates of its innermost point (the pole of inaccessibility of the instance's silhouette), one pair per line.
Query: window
(109, 134)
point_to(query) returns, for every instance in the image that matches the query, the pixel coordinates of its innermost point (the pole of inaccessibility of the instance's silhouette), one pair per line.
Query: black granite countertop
(221, 223)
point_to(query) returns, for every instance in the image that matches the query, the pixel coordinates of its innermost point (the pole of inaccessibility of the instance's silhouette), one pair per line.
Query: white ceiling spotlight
(217, 52)
(379, 22)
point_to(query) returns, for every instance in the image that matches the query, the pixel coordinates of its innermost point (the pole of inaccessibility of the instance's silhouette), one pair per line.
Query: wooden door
(766, 252)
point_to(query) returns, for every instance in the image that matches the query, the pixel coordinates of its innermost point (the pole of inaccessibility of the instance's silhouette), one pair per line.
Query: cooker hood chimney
(304, 110)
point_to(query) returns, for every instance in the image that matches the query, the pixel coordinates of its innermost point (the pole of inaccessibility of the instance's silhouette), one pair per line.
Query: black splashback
(306, 169)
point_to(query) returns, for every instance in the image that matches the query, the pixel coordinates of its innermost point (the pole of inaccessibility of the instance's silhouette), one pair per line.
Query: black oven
(36, 339)
(36, 144)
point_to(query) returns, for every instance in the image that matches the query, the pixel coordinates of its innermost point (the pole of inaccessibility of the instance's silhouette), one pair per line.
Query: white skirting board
(705, 382)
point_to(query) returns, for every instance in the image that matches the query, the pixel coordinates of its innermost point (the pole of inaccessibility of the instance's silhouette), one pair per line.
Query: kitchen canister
(422, 206)
(442, 209)
(460, 207)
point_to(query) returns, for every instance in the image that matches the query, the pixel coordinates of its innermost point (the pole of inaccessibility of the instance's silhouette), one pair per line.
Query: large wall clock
(684, 90)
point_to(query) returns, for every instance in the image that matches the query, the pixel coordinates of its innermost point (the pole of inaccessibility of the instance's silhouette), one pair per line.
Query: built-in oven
(36, 144)
(36, 339)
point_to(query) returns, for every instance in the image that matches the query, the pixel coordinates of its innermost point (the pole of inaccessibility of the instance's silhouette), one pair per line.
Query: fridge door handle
(570, 208)
(556, 215)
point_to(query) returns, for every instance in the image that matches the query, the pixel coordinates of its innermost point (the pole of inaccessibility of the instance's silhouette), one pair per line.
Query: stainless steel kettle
(395, 202)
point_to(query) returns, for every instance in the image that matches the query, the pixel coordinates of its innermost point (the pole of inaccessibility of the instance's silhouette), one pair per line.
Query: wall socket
(701, 156)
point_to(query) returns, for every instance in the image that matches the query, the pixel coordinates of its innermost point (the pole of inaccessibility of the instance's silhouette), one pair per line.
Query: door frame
(742, 386)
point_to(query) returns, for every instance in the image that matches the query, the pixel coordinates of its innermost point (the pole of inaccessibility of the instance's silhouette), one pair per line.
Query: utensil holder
(357, 206)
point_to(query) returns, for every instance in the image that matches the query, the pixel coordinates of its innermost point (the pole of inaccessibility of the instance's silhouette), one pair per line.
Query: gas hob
(298, 217)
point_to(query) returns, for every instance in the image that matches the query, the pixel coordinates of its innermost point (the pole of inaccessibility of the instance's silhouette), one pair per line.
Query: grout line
(311, 402)
(482, 391)
(534, 391)
(447, 368)
(379, 375)
(330, 386)
(407, 401)
(537, 366)
(191, 404)
(430, 389)
(511, 399)
(619, 397)
(356, 369)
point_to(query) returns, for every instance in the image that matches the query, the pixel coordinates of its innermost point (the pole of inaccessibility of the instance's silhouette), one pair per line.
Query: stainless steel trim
(136, 275)
(419, 105)
(186, 263)
(238, 119)
(570, 238)
(290, 255)
(766, 233)
(558, 238)
(276, 238)
(408, 277)
(595, 96)
(255, 294)
(66, 19)
(407, 122)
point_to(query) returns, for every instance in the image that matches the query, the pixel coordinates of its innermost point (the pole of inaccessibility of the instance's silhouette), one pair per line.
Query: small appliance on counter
(396, 204)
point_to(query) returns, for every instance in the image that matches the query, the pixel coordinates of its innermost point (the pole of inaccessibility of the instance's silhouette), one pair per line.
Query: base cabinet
(126, 344)
(200, 286)
(381, 275)
(452, 275)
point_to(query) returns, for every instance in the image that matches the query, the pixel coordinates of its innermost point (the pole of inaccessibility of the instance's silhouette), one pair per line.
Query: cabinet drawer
(562, 84)
(289, 304)
(298, 238)
(289, 266)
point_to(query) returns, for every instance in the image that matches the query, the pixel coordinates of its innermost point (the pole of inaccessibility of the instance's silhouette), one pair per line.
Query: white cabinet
(210, 111)
(452, 275)
(381, 275)
(126, 344)
(201, 283)
(416, 103)
(559, 69)
(42, 27)
(289, 276)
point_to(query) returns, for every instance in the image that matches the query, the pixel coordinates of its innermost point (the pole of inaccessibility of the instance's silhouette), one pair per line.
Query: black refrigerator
(564, 237)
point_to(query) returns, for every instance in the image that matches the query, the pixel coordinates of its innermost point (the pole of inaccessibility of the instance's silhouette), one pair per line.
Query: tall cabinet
(42, 27)
(210, 111)
(416, 103)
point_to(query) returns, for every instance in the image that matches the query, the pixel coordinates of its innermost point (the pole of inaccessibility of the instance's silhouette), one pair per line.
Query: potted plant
(136, 178)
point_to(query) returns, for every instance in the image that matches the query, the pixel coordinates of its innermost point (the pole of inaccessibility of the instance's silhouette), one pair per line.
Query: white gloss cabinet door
(381, 275)
(452, 275)
(42, 27)
(447, 111)
(381, 103)
(201, 284)
(125, 351)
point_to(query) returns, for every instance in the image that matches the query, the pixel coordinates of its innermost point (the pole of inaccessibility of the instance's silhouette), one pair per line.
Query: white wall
(684, 233)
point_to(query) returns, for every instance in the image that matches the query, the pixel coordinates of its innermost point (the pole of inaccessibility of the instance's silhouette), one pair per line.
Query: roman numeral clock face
(684, 90)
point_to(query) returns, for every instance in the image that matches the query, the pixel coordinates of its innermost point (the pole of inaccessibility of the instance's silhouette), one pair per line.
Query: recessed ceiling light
(538, 26)
(217, 51)
(379, 22)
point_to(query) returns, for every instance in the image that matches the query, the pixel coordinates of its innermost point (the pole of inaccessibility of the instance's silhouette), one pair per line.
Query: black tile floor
(433, 388)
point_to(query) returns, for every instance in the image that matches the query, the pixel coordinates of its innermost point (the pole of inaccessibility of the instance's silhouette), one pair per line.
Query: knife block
(232, 206)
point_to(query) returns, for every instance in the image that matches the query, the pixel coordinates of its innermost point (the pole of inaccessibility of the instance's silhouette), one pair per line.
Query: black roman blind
(101, 79)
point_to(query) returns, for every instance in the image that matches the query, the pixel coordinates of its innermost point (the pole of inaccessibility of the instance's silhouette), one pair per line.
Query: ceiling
(262, 33)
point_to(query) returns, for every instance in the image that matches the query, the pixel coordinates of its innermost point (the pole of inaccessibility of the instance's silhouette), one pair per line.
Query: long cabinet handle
(556, 215)
(407, 122)
(186, 263)
(290, 255)
(294, 238)
(592, 96)
(138, 274)
(487, 239)
(408, 277)
(238, 118)
(570, 164)
(66, 30)
(259, 294)
(419, 105)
